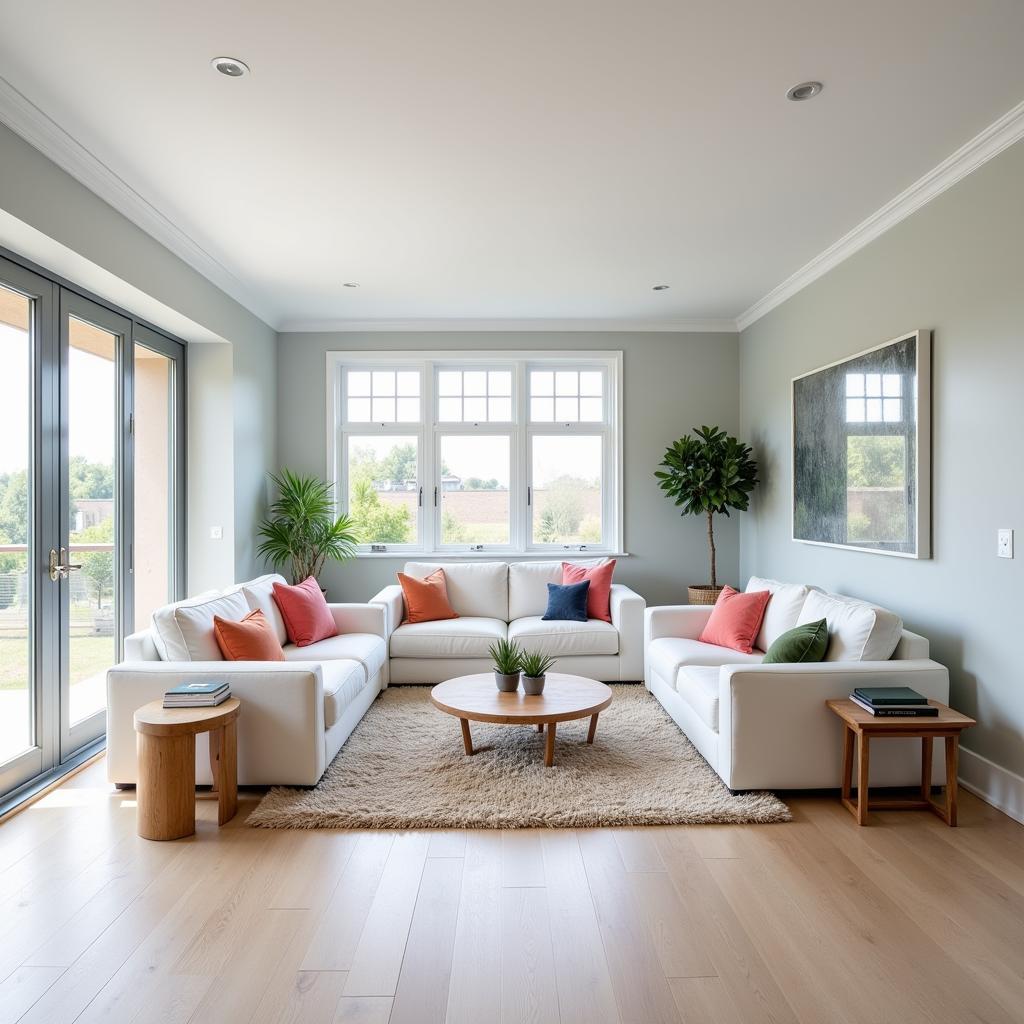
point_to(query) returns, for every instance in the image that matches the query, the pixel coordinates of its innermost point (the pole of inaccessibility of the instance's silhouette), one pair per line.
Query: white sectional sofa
(500, 599)
(766, 726)
(296, 713)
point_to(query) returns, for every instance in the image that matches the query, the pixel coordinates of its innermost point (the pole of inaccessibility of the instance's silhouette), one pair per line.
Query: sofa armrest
(773, 722)
(281, 741)
(684, 621)
(627, 615)
(394, 605)
(360, 618)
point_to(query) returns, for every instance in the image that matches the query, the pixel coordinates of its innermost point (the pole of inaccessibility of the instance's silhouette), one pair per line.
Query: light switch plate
(216, 533)
(1004, 543)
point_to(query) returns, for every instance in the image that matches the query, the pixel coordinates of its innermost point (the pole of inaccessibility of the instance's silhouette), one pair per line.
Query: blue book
(198, 689)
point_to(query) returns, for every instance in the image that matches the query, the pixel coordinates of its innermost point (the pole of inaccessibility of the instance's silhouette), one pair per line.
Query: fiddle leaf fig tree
(708, 474)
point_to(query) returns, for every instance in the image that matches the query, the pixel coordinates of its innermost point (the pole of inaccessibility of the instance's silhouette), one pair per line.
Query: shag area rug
(404, 767)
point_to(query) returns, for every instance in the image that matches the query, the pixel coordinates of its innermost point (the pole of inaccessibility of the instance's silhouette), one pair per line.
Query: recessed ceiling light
(350, 284)
(660, 288)
(230, 66)
(804, 91)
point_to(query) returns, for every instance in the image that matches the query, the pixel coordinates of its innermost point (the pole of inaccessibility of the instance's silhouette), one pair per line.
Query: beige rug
(404, 767)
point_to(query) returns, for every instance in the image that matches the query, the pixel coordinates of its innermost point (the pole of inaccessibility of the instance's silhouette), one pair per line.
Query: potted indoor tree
(707, 475)
(301, 530)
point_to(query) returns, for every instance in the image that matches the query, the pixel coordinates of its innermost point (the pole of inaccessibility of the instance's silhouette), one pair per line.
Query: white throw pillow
(161, 622)
(857, 631)
(474, 588)
(184, 631)
(259, 595)
(783, 609)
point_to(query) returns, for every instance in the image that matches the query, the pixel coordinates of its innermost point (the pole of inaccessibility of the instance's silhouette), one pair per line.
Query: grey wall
(957, 268)
(672, 382)
(48, 216)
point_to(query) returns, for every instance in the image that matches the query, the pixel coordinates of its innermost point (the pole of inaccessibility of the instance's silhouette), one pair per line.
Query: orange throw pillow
(252, 639)
(426, 600)
(736, 619)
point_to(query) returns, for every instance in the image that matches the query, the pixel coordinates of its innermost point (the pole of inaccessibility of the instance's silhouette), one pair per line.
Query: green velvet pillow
(802, 643)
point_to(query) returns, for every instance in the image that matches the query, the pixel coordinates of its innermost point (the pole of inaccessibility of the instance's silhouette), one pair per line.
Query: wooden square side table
(166, 743)
(864, 726)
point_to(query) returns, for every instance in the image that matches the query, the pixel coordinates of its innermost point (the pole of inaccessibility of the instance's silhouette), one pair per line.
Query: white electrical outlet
(1004, 543)
(216, 533)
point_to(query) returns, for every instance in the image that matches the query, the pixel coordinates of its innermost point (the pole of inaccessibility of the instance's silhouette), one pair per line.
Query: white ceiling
(527, 159)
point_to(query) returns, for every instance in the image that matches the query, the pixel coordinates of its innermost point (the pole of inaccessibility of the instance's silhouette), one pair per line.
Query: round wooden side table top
(565, 698)
(155, 720)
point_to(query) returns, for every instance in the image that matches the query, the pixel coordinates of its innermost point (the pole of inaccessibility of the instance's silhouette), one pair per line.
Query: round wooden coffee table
(565, 698)
(166, 789)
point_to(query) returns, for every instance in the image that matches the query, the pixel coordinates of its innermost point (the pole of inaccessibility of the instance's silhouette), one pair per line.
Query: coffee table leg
(549, 745)
(467, 740)
(166, 790)
(593, 729)
(863, 758)
(224, 766)
(952, 753)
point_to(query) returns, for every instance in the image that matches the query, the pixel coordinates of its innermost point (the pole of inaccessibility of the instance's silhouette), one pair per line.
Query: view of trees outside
(567, 489)
(876, 480)
(383, 492)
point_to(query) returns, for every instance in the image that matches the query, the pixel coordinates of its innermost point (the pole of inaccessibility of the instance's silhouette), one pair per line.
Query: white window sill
(497, 556)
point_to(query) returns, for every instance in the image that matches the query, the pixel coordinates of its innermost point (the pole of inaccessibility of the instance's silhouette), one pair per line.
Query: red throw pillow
(252, 639)
(426, 600)
(599, 595)
(307, 618)
(736, 619)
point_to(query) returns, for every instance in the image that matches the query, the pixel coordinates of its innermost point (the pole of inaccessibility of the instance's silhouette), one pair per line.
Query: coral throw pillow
(252, 639)
(304, 610)
(599, 595)
(736, 619)
(426, 600)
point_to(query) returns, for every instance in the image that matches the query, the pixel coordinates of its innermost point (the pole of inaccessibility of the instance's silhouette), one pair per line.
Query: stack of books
(197, 695)
(893, 702)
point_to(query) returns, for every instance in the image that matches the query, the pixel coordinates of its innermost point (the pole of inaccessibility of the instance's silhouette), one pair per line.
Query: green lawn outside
(89, 655)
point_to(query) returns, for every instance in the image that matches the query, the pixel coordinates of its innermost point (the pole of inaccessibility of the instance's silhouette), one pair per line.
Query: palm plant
(301, 529)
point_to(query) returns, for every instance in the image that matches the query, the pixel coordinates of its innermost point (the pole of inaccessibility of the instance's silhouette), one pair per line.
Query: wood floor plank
(637, 849)
(23, 988)
(474, 992)
(522, 858)
(447, 844)
(316, 865)
(313, 998)
(334, 944)
(173, 999)
(585, 991)
(529, 992)
(422, 994)
(377, 961)
(363, 1010)
(704, 1001)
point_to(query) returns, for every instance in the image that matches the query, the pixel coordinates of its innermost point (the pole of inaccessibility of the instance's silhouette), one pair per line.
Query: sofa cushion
(528, 585)
(600, 577)
(252, 639)
(698, 686)
(259, 593)
(474, 588)
(567, 602)
(563, 638)
(342, 682)
(183, 631)
(857, 631)
(736, 619)
(466, 637)
(783, 609)
(807, 643)
(366, 648)
(426, 600)
(304, 610)
(668, 654)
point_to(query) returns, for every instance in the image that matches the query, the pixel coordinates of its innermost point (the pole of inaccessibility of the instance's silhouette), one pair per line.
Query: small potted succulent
(507, 656)
(534, 667)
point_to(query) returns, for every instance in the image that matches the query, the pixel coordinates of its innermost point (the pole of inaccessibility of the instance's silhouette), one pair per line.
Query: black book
(880, 696)
(891, 711)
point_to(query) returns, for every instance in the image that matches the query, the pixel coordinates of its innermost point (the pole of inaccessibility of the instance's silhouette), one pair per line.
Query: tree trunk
(711, 548)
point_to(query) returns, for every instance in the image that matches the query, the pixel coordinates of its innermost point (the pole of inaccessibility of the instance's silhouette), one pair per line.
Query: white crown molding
(447, 326)
(23, 117)
(987, 144)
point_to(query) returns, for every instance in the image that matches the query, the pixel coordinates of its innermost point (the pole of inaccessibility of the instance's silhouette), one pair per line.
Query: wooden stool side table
(862, 726)
(166, 744)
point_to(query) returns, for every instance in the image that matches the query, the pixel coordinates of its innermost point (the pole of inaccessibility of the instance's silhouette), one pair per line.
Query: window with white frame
(497, 452)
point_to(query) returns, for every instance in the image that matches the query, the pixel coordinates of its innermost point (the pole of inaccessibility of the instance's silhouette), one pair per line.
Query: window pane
(383, 410)
(892, 385)
(567, 409)
(500, 382)
(855, 385)
(567, 382)
(591, 410)
(873, 407)
(475, 473)
(873, 384)
(383, 488)
(591, 383)
(892, 409)
(449, 382)
(449, 410)
(474, 382)
(408, 410)
(567, 490)
(542, 382)
(408, 382)
(474, 410)
(383, 382)
(358, 410)
(855, 410)
(358, 383)
(542, 410)
(499, 409)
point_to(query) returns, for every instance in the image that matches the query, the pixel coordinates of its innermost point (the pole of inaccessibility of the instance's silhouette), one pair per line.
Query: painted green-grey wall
(49, 216)
(671, 382)
(955, 267)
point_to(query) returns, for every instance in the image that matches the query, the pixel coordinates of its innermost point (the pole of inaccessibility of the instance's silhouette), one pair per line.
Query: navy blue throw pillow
(568, 602)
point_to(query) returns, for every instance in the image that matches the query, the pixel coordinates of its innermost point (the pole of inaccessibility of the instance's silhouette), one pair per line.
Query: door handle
(61, 567)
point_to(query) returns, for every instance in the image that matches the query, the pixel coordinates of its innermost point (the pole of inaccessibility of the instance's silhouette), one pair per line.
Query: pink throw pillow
(600, 592)
(736, 619)
(307, 618)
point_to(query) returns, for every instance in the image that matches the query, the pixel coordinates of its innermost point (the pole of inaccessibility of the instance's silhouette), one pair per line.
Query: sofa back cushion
(474, 588)
(259, 595)
(783, 611)
(184, 631)
(528, 587)
(857, 631)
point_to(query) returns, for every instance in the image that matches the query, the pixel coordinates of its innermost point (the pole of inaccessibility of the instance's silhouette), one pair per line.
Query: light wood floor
(814, 921)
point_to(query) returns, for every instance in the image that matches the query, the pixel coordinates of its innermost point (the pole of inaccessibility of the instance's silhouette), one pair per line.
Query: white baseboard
(995, 785)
